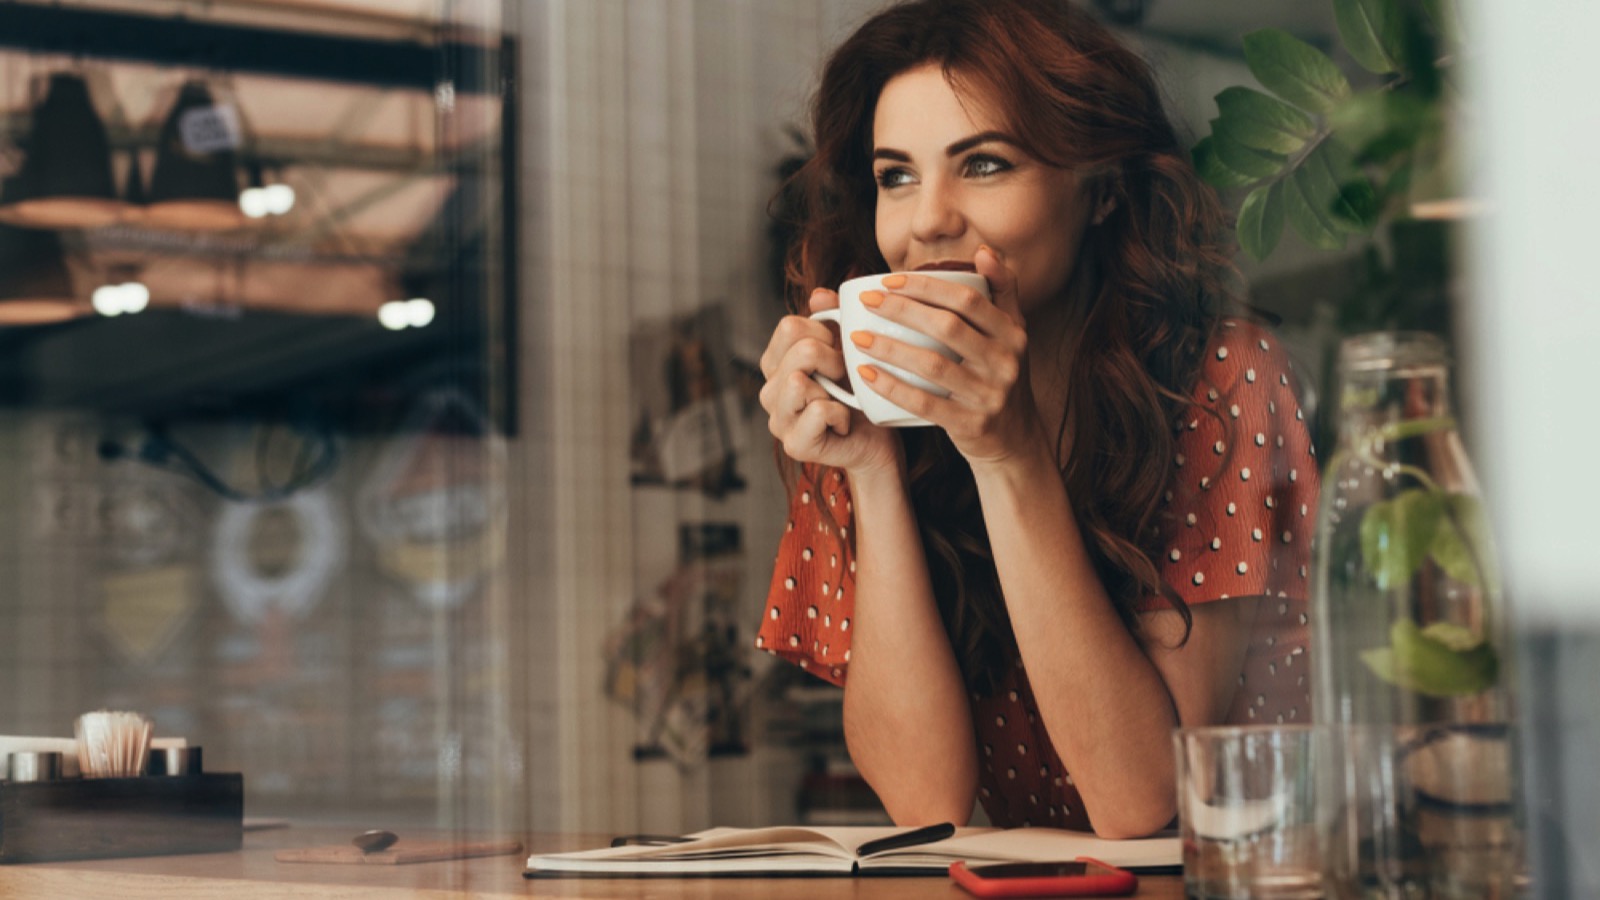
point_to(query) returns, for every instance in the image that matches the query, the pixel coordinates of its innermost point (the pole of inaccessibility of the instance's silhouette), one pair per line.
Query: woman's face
(950, 178)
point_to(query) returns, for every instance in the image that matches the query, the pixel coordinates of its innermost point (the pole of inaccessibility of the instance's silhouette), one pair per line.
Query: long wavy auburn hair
(1072, 96)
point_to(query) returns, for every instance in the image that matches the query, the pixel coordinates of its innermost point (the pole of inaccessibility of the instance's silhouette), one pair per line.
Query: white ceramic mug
(853, 316)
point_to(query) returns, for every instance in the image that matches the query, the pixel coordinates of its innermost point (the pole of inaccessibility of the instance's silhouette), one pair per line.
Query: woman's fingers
(955, 376)
(937, 294)
(1002, 281)
(792, 330)
(822, 299)
(803, 415)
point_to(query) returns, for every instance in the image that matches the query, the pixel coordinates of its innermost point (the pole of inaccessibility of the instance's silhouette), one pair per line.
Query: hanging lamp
(35, 287)
(65, 180)
(195, 186)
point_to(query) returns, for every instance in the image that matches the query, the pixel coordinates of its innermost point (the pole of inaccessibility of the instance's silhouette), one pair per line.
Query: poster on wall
(677, 659)
(688, 417)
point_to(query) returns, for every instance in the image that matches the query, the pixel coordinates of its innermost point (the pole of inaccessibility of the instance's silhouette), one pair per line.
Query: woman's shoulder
(1243, 354)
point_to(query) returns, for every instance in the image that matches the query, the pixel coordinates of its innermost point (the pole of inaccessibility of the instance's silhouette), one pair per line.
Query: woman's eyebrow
(955, 149)
(967, 143)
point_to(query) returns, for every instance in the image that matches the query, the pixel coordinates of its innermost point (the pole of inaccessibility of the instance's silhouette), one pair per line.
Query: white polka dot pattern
(1241, 527)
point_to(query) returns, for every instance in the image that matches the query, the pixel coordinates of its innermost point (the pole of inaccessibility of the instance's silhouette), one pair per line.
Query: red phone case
(1110, 881)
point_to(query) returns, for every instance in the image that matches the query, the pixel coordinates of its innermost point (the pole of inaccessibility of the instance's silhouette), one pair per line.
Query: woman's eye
(982, 165)
(893, 178)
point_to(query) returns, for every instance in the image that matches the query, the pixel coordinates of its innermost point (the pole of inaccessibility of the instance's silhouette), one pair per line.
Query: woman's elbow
(1127, 821)
(931, 808)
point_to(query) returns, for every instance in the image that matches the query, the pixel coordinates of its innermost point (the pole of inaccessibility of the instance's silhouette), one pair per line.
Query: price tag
(209, 129)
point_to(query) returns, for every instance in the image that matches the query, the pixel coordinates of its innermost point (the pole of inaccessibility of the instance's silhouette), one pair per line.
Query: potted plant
(1407, 622)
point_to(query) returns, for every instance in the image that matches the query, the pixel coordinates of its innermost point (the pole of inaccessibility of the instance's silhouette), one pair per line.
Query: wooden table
(252, 874)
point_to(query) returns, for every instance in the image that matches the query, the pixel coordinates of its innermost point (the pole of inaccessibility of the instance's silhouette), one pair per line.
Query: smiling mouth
(948, 265)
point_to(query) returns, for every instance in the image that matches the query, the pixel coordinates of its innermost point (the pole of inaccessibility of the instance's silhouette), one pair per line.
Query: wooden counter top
(253, 874)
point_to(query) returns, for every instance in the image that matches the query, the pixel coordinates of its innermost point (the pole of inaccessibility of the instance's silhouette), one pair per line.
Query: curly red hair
(1075, 97)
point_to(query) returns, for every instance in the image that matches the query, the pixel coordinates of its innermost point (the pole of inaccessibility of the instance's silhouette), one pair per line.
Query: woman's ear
(1103, 208)
(1105, 199)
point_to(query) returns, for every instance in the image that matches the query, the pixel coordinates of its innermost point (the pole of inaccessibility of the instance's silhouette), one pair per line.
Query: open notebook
(835, 851)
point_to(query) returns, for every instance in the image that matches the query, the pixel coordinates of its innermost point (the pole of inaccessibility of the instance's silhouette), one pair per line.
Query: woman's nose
(938, 215)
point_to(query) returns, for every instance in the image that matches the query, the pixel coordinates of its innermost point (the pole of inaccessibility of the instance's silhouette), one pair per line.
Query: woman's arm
(1108, 704)
(906, 718)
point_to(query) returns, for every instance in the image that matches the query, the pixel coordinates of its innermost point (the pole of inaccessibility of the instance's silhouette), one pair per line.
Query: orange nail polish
(894, 282)
(862, 339)
(872, 299)
(868, 373)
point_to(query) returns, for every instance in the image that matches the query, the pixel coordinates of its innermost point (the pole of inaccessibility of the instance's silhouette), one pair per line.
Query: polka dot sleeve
(812, 595)
(1241, 507)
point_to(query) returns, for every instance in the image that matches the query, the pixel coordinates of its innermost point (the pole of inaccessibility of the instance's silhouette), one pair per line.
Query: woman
(1105, 536)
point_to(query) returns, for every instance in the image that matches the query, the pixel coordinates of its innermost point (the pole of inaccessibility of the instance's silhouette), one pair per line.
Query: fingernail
(992, 251)
(894, 282)
(873, 299)
(868, 373)
(861, 339)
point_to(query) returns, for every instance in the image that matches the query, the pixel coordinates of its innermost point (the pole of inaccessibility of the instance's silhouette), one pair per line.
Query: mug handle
(838, 393)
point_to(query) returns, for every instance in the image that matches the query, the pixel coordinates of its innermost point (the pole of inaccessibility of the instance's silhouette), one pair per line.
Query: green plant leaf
(1211, 168)
(1397, 534)
(1450, 551)
(1423, 663)
(1308, 207)
(1236, 156)
(1380, 124)
(1354, 201)
(1456, 637)
(1261, 220)
(1263, 122)
(1446, 18)
(1295, 70)
(1399, 183)
(1373, 32)
(1381, 661)
(1463, 547)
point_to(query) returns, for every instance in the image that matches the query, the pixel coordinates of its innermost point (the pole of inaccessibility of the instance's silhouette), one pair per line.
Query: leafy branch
(1328, 160)
(1400, 534)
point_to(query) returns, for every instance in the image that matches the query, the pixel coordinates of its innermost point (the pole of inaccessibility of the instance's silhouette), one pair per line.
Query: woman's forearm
(1105, 706)
(906, 718)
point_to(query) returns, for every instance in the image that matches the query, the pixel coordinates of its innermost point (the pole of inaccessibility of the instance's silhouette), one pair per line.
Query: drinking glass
(1247, 811)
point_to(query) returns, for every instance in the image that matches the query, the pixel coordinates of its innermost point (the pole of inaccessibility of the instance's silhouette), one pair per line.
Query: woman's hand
(990, 414)
(812, 426)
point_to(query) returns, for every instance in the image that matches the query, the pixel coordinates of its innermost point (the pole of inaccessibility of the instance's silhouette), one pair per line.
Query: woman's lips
(947, 265)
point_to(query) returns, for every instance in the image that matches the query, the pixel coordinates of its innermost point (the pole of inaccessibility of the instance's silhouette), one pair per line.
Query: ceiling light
(280, 198)
(420, 310)
(115, 299)
(395, 315)
(253, 202)
(272, 200)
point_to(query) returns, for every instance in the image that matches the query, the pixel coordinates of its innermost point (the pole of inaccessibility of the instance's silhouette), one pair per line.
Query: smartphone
(1083, 877)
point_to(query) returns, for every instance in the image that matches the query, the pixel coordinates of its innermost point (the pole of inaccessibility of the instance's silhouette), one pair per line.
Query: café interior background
(442, 496)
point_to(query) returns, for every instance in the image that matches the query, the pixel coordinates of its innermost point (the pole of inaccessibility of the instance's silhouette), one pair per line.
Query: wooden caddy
(95, 818)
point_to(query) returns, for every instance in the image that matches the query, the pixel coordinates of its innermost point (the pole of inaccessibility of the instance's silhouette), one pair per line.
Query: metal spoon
(375, 840)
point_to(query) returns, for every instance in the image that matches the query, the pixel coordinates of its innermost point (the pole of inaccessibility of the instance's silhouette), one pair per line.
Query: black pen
(925, 835)
(648, 840)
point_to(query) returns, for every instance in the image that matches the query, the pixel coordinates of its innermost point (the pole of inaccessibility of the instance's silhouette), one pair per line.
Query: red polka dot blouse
(1236, 526)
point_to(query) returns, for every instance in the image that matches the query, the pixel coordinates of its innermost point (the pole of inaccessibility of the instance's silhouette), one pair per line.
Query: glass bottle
(1409, 641)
